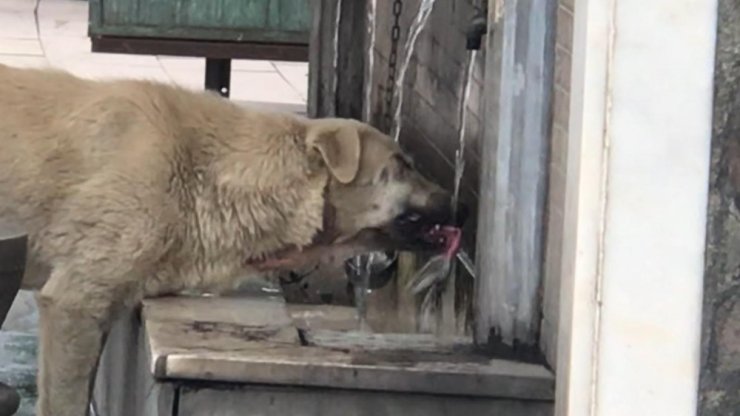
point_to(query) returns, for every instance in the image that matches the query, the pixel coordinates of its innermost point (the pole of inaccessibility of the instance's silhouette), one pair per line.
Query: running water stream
(447, 316)
(364, 264)
(438, 274)
(435, 281)
(370, 60)
(417, 26)
(462, 130)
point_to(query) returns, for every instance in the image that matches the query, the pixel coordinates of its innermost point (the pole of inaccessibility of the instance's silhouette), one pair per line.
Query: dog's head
(377, 198)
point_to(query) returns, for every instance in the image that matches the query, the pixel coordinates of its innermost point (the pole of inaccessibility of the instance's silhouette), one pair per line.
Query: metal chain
(392, 61)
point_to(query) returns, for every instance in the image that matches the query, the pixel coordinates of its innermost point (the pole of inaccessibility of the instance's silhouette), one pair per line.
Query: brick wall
(433, 91)
(556, 194)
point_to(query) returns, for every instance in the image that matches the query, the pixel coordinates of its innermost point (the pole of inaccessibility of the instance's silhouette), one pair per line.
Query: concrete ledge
(254, 340)
(208, 355)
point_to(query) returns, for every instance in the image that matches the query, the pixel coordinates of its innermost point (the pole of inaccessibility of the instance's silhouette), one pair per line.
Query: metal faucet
(476, 29)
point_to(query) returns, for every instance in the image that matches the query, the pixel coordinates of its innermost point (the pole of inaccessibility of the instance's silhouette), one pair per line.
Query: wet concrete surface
(18, 366)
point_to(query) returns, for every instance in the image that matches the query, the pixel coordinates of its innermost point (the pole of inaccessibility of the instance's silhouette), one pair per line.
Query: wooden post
(336, 90)
(321, 74)
(514, 164)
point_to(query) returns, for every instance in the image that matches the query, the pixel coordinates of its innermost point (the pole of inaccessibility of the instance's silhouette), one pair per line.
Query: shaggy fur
(130, 189)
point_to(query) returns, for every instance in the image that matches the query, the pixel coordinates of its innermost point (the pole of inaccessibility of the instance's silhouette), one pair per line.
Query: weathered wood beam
(336, 75)
(518, 85)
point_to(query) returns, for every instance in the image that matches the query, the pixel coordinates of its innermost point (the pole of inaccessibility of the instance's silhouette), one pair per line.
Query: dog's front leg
(75, 314)
(101, 244)
(73, 322)
(70, 343)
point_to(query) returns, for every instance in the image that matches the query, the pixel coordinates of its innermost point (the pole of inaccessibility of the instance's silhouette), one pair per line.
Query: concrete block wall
(556, 194)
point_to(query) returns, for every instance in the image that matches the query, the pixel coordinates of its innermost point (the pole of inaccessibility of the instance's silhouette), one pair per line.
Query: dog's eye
(396, 169)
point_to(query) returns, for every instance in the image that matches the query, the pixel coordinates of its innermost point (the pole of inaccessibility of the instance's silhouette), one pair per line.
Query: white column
(637, 180)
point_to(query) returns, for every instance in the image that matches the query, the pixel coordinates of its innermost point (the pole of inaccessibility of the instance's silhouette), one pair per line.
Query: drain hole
(302, 337)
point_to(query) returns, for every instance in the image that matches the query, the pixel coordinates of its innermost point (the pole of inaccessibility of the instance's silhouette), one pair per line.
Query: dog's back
(29, 101)
(56, 131)
(74, 144)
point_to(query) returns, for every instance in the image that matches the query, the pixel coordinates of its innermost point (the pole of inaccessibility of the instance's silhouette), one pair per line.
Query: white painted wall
(637, 177)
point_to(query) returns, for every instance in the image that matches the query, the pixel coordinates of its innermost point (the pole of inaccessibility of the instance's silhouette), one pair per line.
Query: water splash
(429, 283)
(420, 21)
(370, 61)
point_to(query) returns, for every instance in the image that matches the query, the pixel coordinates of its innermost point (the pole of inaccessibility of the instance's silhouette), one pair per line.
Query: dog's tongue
(452, 237)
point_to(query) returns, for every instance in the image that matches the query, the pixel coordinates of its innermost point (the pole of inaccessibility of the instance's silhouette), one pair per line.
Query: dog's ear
(339, 146)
